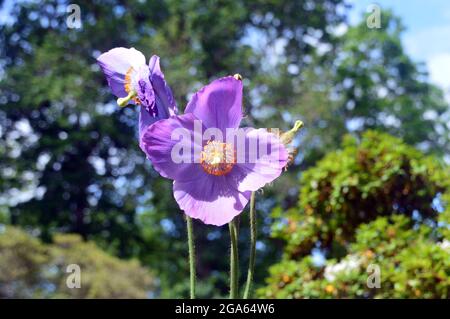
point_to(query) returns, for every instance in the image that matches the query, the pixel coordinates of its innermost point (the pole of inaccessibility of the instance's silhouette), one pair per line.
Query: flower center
(129, 85)
(217, 158)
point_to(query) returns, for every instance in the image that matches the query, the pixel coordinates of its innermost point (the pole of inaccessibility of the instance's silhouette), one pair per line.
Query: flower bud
(237, 76)
(287, 138)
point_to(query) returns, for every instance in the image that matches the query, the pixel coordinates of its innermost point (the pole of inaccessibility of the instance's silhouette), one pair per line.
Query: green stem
(234, 260)
(190, 233)
(251, 263)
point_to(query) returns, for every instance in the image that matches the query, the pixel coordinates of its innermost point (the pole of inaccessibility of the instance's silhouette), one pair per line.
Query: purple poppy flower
(132, 81)
(213, 182)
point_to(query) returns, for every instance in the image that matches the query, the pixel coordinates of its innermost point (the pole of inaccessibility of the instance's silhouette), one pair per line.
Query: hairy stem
(251, 263)
(234, 261)
(190, 233)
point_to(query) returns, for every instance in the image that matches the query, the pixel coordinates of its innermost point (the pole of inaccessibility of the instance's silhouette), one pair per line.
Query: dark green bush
(375, 201)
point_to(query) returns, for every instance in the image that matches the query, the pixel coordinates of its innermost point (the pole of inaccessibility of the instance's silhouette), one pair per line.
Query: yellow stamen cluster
(128, 79)
(217, 158)
(123, 101)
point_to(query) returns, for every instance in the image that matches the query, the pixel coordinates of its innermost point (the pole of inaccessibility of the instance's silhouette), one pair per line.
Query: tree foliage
(366, 80)
(30, 268)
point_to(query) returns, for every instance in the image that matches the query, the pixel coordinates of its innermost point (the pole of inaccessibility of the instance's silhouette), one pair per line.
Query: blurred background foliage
(70, 162)
(375, 201)
(32, 269)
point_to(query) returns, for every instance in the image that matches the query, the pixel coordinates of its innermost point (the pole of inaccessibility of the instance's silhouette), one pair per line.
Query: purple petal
(158, 143)
(212, 199)
(115, 63)
(219, 104)
(166, 102)
(146, 96)
(262, 164)
(145, 120)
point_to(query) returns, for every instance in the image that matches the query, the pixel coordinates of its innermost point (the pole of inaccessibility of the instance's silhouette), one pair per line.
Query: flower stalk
(190, 233)
(251, 263)
(234, 260)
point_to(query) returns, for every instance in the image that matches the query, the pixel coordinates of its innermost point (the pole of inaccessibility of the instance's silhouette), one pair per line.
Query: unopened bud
(237, 76)
(288, 136)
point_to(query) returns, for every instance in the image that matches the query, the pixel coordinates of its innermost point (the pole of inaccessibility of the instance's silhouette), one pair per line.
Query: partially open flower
(135, 82)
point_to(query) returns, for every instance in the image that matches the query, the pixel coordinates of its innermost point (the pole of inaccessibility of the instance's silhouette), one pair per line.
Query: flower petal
(265, 157)
(210, 198)
(145, 120)
(173, 147)
(219, 104)
(115, 63)
(146, 96)
(164, 98)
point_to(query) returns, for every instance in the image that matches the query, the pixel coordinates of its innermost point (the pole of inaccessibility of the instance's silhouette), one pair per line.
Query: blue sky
(427, 38)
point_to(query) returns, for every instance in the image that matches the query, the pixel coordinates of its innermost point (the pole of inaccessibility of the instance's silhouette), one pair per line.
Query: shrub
(375, 201)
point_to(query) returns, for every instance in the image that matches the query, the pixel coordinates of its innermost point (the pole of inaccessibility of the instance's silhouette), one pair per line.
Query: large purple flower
(132, 81)
(214, 179)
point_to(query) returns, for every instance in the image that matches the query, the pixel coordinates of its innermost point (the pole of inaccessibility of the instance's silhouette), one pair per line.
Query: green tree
(375, 201)
(380, 87)
(365, 81)
(103, 276)
(22, 259)
(30, 268)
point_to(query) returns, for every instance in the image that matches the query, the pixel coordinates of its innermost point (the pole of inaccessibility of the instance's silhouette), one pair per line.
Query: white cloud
(431, 45)
(428, 42)
(439, 66)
